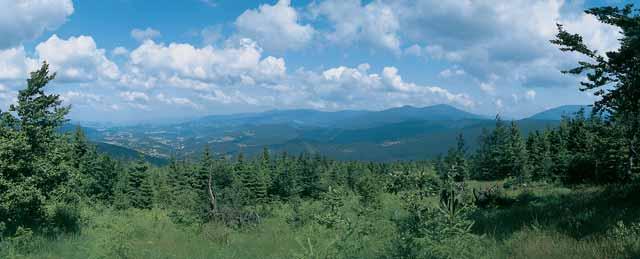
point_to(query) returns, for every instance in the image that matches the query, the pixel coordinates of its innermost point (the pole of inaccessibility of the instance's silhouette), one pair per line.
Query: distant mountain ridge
(299, 116)
(561, 111)
(339, 119)
(401, 133)
(441, 112)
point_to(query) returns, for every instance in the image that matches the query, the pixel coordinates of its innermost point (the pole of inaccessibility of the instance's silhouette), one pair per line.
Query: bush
(491, 197)
(626, 237)
(65, 218)
(437, 231)
(22, 242)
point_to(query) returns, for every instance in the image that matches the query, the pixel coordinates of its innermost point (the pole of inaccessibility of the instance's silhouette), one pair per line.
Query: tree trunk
(212, 196)
(632, 154)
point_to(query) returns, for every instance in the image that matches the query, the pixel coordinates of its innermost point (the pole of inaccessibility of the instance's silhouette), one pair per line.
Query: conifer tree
(32, 168)
(491, 159)
(206, 184)
(614, 76)
(538, 150)
(309, 175)
(39, 114)
(139, 187)
(561, 157)
(517, 155)
(455, 162)
(174, 176)
(204, 171)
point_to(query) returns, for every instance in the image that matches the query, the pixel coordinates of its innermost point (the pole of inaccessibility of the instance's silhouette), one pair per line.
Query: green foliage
(441, 230)
(455, 163)
(614, 76)
(33, 162)
(332, 205)
(139, 189)
(502, 154)
(369, 188)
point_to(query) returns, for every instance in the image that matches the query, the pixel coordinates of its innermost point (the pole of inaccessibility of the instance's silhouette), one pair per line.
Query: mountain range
(403, 133)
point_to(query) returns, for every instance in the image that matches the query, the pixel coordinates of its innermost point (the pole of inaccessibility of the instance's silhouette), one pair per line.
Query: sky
(133, 61)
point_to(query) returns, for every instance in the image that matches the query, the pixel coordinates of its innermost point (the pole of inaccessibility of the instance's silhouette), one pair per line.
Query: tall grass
(543, 222)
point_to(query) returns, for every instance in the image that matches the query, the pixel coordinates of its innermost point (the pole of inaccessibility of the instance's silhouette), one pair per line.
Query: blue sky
(129, 60)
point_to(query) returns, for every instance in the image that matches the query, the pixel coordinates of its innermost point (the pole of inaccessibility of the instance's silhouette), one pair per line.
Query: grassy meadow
(536, 221)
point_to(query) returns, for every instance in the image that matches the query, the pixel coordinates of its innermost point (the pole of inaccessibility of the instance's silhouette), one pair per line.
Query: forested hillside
(404, 133)
(566, 190)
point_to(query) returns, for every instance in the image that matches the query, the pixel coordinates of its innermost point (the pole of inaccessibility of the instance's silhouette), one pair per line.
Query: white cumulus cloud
(77, 59)
(131, 96)
(22, 20)
(193, 67)
(176, 101)
(375, 23)
(14, 64)
(275, 27)
(146, 34)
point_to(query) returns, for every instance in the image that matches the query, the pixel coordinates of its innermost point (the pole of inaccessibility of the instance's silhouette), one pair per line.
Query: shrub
(491, 197)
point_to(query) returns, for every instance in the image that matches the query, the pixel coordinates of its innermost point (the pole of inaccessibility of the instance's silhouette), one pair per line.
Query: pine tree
(580, 140)
(174, 177)
(491, 160)
(139, 187)
(309, 175)
(39, 114)
(204, 171)
(32, 154)
(614, 77)
(561, 158)
(369, 188)
(286, 183)
(538, 150)
(80, 147)
(455, 162)
(517, 155)
(206, 184)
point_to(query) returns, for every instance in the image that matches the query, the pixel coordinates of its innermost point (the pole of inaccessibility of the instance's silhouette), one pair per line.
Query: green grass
(544, 221)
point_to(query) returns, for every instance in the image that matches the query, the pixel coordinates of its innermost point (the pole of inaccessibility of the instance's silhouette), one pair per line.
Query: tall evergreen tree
(309, 175)
(538, 150)
(517, 155)
(39, 114)
(491, 160)
(205, 170)
(139, 187)
(32, 166)
(615, 76)
(455, 162)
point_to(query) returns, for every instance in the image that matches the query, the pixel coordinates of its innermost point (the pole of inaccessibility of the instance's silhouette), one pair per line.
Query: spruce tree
(615, 76)
(561, 158)
(32, 164)
(491, 160)
(206, 184)
(455, 162)
(517, 155)
(309, 175)
(205, 170)
(39, 114)
(174, 176)
(139, 187)
(538, 150)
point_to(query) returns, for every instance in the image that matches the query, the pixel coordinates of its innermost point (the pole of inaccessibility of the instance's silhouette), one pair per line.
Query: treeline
(584, 148)
(46, 176)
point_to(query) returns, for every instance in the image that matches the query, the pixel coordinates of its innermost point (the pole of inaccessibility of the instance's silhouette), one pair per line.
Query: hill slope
(402, 133)
(558, 112)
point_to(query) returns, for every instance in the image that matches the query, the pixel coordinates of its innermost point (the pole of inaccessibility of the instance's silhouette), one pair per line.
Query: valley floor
(541, 221)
